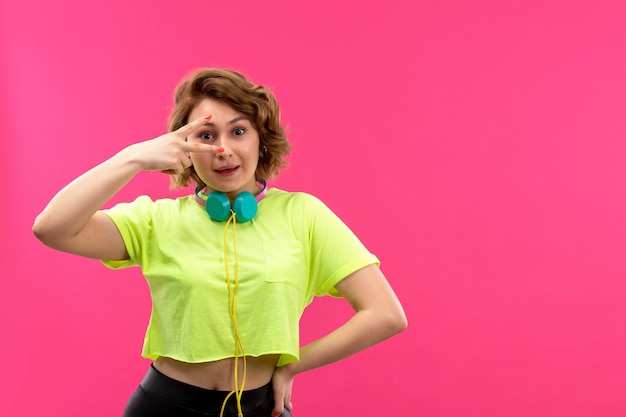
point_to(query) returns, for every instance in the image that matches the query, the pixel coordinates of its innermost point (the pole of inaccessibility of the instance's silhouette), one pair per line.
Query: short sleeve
(336, 251)
(133, 221)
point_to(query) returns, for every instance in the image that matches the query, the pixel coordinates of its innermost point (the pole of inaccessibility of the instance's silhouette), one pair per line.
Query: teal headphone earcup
(245, 206)
(218, 206)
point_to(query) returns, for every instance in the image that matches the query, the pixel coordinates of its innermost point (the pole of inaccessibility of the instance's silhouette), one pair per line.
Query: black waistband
(204, 400)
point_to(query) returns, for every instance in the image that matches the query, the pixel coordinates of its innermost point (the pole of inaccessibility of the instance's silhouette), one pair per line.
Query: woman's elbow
(39, 230)
(392, 322)
(398, 322)
(45, 233)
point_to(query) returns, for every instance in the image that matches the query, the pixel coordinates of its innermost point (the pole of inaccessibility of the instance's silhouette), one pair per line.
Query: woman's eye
(206, 136)
(239, 131)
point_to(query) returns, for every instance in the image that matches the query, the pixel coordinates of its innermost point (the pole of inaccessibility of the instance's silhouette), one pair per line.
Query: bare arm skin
(72, 222)
(378, 316)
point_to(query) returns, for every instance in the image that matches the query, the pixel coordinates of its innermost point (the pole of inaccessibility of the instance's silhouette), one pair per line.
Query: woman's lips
(227, 170)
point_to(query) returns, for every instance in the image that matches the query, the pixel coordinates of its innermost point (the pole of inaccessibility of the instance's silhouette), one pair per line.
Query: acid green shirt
(294, 249)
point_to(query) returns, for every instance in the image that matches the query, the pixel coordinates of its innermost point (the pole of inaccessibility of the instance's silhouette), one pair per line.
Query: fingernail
(222, 150)
(275, 415)
(209, 117)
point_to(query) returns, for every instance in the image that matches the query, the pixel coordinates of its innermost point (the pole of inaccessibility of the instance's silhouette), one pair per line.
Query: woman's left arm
(378, 316)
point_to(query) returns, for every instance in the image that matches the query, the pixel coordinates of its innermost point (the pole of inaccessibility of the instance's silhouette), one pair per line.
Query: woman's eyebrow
(236, 119)
(233, 121)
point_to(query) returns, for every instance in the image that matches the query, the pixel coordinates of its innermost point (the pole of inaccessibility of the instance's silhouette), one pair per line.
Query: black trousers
(161, 396)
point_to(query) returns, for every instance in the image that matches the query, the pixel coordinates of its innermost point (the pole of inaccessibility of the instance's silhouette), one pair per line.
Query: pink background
(477, 147)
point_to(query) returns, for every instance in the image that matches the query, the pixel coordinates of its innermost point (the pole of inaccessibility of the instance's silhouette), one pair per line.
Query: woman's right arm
(72, 221)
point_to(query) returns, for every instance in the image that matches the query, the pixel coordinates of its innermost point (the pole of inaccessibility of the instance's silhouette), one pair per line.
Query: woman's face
(233, 170)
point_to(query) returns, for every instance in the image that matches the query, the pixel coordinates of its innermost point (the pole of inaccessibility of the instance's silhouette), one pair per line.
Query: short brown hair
(256, 102)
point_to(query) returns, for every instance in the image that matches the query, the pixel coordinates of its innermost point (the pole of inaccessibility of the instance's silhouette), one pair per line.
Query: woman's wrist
(289, 370)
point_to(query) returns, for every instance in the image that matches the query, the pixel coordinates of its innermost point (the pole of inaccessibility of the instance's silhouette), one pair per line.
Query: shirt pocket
(285, 263)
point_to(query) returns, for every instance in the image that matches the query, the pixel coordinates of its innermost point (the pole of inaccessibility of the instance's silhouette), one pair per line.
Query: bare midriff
(219, 375)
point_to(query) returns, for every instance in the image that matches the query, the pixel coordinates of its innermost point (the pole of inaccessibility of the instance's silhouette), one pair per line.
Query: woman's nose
(224, 150)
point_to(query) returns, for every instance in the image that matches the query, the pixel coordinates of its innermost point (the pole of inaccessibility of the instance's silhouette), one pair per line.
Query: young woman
(232, 266)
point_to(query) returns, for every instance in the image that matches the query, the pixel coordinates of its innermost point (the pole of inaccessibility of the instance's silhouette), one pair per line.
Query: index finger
(194, 125)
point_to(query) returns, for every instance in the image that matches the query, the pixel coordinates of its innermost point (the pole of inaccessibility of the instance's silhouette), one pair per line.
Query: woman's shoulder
(146, 203)
(278, 194)
(303, 203)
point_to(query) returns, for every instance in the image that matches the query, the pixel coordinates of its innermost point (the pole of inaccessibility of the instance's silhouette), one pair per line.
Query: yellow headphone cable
(232, 307)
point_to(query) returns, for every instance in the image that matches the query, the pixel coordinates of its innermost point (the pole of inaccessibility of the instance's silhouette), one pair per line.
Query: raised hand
(170, 153)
